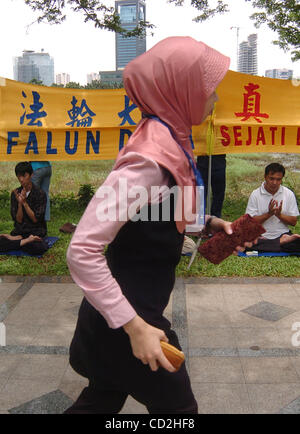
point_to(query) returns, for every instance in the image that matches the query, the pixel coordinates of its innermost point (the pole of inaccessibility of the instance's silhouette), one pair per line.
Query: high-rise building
(62, 78)
(109, 77)
(248, 55)
(34, 65)
(127, 49)
(92, 76)
(284, 74)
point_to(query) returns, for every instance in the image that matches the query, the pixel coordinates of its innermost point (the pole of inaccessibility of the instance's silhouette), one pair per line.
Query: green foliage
(205, 6)
(73, 85)
(64, 202)
(103, 17)
(4, 197)
(85, 194)
(282, 17)
(37, 82)
(97, 84)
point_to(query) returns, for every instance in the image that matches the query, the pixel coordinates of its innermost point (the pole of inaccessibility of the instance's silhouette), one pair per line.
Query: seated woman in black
(28, 205)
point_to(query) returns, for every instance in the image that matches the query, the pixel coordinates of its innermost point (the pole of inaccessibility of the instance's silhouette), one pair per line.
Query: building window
(127, 13)
(142, 13)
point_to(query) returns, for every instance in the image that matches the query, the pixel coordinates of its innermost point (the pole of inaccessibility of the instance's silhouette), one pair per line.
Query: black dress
(142, 258)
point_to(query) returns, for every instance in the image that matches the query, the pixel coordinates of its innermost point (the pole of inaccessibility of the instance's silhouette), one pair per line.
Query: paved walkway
(236, 334)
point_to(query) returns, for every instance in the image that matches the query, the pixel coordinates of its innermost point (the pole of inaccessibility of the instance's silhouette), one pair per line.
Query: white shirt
(258, 204)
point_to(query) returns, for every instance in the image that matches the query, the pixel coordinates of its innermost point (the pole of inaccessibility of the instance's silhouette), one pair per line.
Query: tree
(283, 16)
(97, 84)
(103, 17)
(36, 81)
(73, 85)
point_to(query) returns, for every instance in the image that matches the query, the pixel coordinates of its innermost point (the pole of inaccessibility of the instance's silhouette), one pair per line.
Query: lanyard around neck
(198, 177)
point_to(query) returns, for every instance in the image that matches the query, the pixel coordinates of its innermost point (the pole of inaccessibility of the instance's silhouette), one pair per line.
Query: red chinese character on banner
(252, 104)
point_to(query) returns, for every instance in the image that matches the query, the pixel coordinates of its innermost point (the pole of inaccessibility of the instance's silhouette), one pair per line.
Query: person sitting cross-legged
(275, 207)
(28, 205)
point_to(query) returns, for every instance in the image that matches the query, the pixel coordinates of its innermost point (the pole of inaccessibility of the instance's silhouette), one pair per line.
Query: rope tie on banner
(210, 141)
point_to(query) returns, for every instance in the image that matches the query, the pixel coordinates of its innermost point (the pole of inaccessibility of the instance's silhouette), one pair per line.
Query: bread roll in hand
(175, 356)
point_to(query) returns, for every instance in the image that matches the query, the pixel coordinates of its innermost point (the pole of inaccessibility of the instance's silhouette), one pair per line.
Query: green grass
(242, 267)
(67, 176)
(244, 174)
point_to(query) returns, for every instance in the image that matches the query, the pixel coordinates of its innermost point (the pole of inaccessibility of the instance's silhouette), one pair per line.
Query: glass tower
(34, 65)
(130, 12)
(248, 55)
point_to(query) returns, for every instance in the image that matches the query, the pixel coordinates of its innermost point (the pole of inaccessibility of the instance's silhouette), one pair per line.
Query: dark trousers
(266, 245)
(93, 400)
(218, 181)
(34, 248)
(218, 185)
(104, 356)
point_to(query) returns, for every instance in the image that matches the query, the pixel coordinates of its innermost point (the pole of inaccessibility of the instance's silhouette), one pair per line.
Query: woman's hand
(218, 224)
(145, 343)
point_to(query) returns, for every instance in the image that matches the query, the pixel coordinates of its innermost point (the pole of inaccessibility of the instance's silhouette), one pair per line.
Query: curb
(186, 280)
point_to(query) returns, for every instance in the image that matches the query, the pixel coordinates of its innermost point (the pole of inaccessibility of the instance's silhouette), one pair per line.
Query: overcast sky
(78, 48)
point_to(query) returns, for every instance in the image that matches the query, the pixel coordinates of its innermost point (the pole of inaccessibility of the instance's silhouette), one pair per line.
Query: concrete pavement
(242, 352)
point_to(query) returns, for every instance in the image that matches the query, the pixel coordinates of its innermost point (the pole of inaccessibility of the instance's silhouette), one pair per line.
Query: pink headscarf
(173, 80)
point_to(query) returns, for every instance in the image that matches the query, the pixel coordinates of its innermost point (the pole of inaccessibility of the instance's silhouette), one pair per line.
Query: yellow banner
(253, 114)
(257, 114)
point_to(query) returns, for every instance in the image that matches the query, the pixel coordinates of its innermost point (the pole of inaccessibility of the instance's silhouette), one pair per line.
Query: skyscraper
(127, 49)
(248, 55)
(34, 65)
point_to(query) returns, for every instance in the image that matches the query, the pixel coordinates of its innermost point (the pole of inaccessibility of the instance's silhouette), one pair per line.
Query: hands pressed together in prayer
(275, 208)
(21, 197)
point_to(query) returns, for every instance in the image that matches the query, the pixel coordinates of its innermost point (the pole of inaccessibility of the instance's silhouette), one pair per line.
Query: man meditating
(275, 207)
(27, 207)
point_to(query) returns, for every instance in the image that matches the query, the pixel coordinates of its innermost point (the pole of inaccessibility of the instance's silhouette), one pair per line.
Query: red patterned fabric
(221, 245)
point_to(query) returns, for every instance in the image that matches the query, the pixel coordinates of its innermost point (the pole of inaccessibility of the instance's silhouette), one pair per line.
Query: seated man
(275, 207)
(28, 205)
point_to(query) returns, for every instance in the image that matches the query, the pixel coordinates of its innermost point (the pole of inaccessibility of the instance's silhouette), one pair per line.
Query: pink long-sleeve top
(85, 255)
